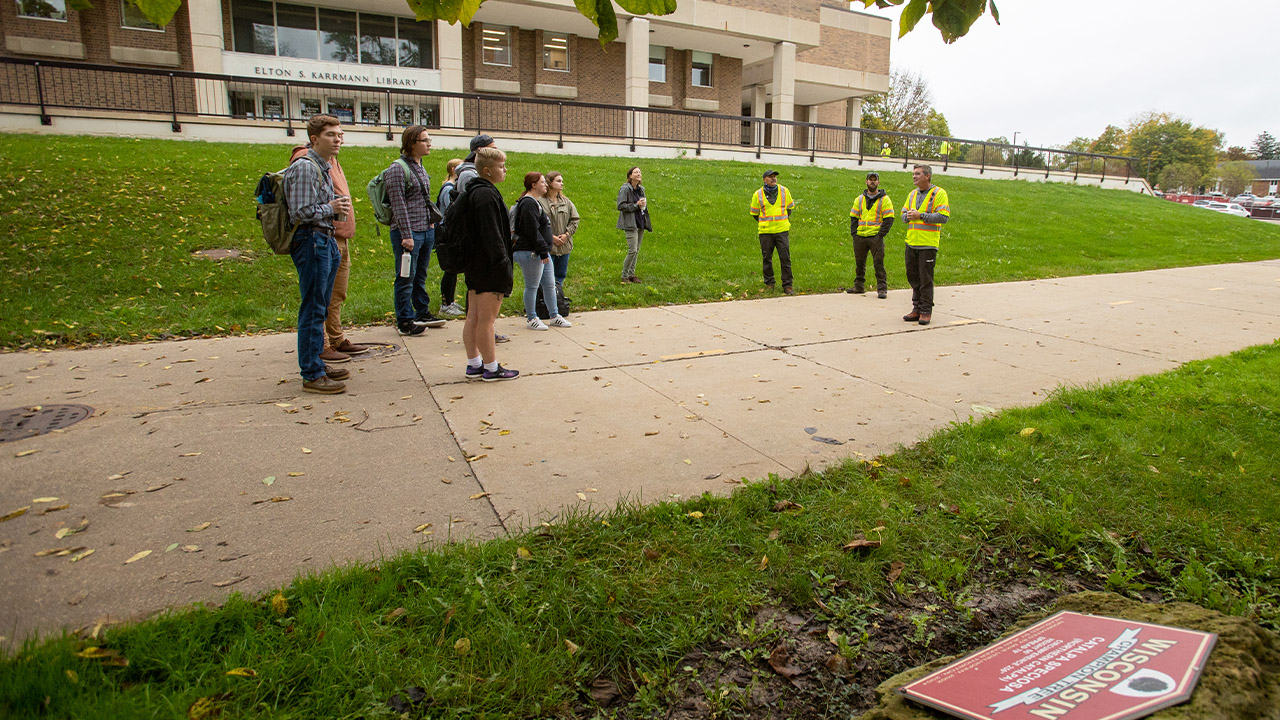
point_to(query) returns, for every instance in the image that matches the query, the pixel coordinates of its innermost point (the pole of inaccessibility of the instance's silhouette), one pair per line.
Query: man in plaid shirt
(308, 192)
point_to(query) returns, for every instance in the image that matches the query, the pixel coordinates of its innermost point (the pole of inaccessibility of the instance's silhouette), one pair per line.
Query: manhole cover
(378, 351)
(28, 422)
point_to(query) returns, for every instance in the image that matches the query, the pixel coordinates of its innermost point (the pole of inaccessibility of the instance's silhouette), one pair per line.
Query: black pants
(920, 263)
(781, 241)
(875, 245)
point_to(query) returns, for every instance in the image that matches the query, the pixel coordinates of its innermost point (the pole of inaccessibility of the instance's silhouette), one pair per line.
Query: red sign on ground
(1073, 667)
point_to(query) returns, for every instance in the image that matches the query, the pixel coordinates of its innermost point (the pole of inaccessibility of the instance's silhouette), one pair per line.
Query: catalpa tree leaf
(953, 18)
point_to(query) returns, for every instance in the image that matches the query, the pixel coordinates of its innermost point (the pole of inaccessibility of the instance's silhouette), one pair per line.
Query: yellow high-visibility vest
(772, 217)
(886, 151)
(870, 218)
(945, 148)
(919, 232)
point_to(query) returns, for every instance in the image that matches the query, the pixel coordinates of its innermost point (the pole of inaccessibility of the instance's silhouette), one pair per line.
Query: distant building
(1268, 176)
(801, 60)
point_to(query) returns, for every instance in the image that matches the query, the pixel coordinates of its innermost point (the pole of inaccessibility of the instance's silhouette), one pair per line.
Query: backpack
(453, 251)
(562, 303)
(377, 189)
(273, 212)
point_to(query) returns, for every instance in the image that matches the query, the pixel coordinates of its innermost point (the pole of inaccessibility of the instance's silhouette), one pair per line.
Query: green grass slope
(98, 235)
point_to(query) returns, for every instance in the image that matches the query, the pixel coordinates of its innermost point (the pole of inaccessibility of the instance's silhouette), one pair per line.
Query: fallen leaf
(82, 555)
(764, 562)
(72, 676)
(473, 458)
(55, 508)
(687, 461)
(861, 543)
(201, 526)
(157, 488)
(15, 513)
(194, 454)
(773, 535)
(190, 548)
(780, 661)
(306, 451)
(137, 556)
(651, 554)
(477, 496)
(97, 653)
(276, 499)
(783, 505)
(422, 527)
(279, 604)
(462, 646)
(204, 380)
(1026, 431)
(44, 500)
(269, 480)
(571, 646)
(651, 433)
(982, 409)
(696, 515)
(895, 569)
(296, 474)
(207, 708)
(523, 552)
(1153, 469)
(833, 636)
(172, 547)
(231, 581)
(838, 665)
(243, 672)
(25, 453)
(398, 612)
(581, 496)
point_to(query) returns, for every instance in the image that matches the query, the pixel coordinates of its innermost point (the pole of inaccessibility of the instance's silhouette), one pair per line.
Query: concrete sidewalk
(642, 405)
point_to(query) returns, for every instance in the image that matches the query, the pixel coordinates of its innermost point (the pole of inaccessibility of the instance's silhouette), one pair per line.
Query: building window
(657, 63)
(429, 114)
(343, 108)
(242, 104)
(555, 51)
(370, 113)
(296, 34)
(43, 9)
(131, 17)
(309, 107)
(701, 67)
(272, 106)
(298, 31)
(497, 45)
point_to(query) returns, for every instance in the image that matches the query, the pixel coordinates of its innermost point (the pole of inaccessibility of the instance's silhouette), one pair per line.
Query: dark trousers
(782, 242)
(316, 257)
(920, 263)
(410, 293)
(448, 287)
(875, 245)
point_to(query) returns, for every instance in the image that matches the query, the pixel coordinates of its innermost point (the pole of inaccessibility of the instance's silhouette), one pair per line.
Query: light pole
(1015, 139)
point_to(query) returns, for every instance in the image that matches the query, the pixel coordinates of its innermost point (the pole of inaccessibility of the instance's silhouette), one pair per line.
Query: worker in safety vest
(926, 210)
(945, 150)
(885, 151)
(771, 207)
(869, 221)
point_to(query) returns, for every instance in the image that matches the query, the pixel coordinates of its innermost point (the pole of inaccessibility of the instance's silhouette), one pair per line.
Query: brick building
(794, 60)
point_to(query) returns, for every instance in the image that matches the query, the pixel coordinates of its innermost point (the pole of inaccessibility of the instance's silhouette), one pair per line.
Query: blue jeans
(410, 293)
(316, 257)
(536, 273)
(560, 263)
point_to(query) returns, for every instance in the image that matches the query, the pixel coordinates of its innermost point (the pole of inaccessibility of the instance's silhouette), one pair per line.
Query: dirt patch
(219, 254)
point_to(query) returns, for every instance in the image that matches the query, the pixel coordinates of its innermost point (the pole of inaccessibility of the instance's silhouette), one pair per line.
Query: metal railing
(54, 86)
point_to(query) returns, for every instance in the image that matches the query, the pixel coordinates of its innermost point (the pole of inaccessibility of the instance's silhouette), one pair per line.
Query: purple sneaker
(475, 373)
(500, 374)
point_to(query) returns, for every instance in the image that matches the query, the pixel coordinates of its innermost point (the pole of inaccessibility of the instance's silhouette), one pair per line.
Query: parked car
(1267, 201)
(1245, 200)
(1201, 203)
(1229, 209)
(1216, 194)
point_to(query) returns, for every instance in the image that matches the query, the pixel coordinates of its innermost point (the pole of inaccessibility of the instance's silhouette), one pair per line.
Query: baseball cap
(767, 173)
(480, 141)
(875, 175)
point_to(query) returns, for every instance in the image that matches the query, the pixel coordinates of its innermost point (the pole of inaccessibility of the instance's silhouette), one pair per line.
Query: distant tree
(980, 153)
(1236, 176)
(1110, 142)
(1265, 147)
(907, 106)
(1235, 152)
(936, 125)
(1025, 157)
(1180, 176)
(1159, 139)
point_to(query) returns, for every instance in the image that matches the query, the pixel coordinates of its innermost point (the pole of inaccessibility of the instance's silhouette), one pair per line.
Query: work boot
(324, 386)
(337, 373)
(912, 316)
(925, 318)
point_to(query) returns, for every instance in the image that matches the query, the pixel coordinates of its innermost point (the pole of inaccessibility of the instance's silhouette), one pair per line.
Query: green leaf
(450, 11)
(911, 15)
(954, 17)
(159, 12)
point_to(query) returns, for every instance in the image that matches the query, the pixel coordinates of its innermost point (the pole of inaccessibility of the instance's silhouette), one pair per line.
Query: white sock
(474, 362)
(491, 367)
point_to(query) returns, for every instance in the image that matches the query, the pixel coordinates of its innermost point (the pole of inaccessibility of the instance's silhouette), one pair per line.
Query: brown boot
(912, 316)
(333, 356)
(350, 348)
(338, 373)
(925, 318)
(324, 386)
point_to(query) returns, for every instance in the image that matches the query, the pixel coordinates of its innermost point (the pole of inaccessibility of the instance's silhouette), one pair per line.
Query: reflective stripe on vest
(919, 232)
(773, 216)
(867, 228)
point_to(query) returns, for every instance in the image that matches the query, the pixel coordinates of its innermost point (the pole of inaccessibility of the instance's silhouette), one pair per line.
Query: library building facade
(371, 62)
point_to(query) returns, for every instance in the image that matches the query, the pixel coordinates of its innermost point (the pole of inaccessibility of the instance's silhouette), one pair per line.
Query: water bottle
(406, 259)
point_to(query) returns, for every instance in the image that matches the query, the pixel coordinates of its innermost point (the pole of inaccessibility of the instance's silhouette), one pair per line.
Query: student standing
(532, 252)
(564, 223)
(413, 219)
(313, 206)
(633, 220)
(489, 273)
(448, 280)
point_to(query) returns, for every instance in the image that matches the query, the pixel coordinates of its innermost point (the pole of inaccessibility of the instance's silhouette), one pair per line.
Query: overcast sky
(1056, 69)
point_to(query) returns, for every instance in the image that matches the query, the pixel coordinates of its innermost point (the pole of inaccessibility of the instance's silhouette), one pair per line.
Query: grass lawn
(1162, 488)
(99, 232)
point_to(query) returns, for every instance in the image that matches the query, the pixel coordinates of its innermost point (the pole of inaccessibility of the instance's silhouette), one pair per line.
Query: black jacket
(489, 234)
(533, 228)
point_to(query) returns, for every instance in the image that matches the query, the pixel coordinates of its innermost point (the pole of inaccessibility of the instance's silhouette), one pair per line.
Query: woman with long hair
(633, 220)
(564, 223)
(532, 252)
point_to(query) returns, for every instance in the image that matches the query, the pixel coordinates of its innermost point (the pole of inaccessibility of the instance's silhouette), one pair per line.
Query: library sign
(1071, 667)
(374, 77)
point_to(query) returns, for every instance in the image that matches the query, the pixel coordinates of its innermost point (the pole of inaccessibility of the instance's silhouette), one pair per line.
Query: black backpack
(453, 241)
(562, 303)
